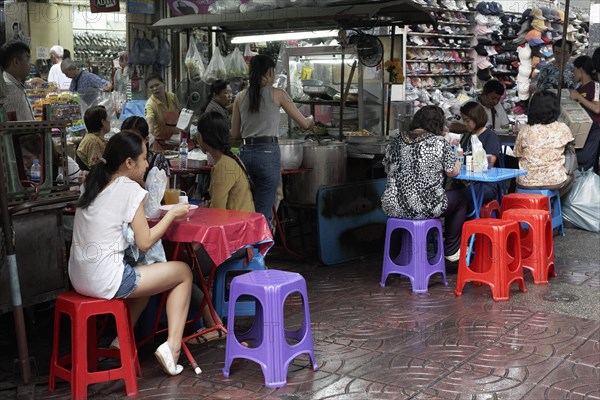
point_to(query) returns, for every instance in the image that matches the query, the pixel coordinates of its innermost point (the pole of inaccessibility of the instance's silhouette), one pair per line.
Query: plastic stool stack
(554, 206)
(220, 299)
(84, 358)
(537, 247)
(491, 209)
(497, 259)
(268, 336)
(412, 259)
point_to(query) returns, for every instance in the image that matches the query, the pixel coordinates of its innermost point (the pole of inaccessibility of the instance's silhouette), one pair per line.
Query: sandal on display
(165, 358)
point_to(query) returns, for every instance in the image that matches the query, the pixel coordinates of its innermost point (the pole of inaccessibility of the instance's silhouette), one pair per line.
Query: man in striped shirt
(15, 58)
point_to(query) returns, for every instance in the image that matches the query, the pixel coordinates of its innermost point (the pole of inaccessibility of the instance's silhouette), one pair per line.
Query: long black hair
(586, 64)
(542, 108)
(259, 66)
(214, 130)
(119, 148)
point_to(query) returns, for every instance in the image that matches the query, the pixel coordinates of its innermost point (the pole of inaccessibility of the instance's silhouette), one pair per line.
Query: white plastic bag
(479, 157)
(193, 62)
(156, 184)
(216, 68)
(581, 206)
(235, 65)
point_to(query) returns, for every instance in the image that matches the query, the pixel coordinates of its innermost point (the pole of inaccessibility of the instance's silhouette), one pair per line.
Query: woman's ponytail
(119, 148)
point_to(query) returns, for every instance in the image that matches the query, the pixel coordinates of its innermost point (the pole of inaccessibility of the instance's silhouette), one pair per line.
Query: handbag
(570, 158)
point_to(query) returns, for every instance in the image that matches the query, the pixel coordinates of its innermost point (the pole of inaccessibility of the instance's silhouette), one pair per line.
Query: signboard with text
(101, 6)
(140, 6)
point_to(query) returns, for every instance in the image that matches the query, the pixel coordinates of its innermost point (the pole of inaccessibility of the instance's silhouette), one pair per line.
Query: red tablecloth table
(221, 232)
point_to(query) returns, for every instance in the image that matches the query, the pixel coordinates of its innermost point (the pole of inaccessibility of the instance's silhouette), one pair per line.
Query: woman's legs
(454, 218)
(263, 162)
(176, 278)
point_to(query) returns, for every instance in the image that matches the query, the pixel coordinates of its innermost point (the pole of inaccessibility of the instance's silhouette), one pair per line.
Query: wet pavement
(388, 343)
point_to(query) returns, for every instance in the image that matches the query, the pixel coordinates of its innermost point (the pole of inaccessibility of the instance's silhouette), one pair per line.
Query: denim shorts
(129, 282)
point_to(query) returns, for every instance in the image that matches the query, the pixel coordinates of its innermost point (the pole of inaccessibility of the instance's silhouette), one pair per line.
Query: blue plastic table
(493, 175)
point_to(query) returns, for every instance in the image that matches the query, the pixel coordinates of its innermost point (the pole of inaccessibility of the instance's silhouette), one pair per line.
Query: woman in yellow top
(91, 148)
(230, 186)
(161, 112)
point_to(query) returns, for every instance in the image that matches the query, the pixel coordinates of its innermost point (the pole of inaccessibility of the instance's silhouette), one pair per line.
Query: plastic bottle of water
(35, 172)
(183, 153)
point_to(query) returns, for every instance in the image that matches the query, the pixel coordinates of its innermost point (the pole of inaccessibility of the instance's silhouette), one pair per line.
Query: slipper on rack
(211, 336)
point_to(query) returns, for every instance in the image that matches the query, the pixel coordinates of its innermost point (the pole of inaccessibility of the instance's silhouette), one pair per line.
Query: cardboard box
(578, 120)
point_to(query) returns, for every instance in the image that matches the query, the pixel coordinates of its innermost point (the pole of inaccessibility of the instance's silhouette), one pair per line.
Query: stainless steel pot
(326, 165)
(291, 153)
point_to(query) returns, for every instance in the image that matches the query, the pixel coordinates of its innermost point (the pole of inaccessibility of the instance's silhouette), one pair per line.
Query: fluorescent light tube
(274, 37)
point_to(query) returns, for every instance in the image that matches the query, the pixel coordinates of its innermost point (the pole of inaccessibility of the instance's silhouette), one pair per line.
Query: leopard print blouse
(415, 163)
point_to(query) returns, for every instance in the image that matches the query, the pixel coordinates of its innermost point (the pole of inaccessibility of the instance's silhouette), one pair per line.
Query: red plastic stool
(84, 358)
(537, 247)
(488, 209)
(497, 260)
(525, 200)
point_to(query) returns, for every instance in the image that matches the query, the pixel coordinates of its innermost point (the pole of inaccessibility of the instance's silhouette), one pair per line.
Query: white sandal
(165, 358)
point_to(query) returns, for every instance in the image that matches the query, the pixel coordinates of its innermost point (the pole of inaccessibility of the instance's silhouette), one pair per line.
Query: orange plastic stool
(84, 358)
(525, 200)
(497, 259)
(488, 209)
(537, 247)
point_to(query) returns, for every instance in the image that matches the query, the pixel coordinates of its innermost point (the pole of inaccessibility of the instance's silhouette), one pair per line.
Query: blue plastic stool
(555, 209)
(270, 347)
(220, 298)
(413, 260)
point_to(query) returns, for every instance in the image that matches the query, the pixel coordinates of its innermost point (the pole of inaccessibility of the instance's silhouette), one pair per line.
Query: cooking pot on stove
(291, 153)
(326, 164)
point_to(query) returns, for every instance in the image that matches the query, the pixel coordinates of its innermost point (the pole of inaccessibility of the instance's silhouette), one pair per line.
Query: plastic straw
(174, 181)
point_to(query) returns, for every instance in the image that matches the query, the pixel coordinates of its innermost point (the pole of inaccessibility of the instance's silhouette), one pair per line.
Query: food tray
(361, 139)
(315, 88)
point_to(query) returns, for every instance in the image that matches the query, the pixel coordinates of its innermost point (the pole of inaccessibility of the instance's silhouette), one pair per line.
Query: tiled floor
(374, 343)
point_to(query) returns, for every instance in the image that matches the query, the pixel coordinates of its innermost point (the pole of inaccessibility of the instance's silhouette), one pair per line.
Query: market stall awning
(371, 14)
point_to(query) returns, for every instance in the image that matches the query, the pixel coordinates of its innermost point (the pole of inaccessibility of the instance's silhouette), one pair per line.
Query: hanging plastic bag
(193, 62)
(215, 69)
(281, 67)
(146, 51)
(156, 183)
(479, 157)
(580, 206)
(164, 51)
(235, 65)
(248, 53)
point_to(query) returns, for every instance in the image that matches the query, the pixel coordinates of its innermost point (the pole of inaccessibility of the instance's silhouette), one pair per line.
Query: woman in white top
(111, 198)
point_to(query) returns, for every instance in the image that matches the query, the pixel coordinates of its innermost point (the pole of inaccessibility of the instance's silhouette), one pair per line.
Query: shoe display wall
(437, 57)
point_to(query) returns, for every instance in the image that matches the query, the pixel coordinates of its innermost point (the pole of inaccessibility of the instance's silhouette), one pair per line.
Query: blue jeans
(263, 162)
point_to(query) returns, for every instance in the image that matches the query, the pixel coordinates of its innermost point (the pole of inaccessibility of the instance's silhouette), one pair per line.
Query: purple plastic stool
(268, 334)
(412, 259)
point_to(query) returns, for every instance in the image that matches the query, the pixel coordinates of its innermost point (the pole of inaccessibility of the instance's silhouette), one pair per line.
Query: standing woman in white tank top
(255, 120)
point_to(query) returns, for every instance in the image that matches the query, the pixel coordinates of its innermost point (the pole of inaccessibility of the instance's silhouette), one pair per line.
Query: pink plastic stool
(268, 334)
(412, 259)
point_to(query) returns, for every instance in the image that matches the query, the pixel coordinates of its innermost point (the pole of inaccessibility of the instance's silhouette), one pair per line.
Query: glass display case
(320, 78)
